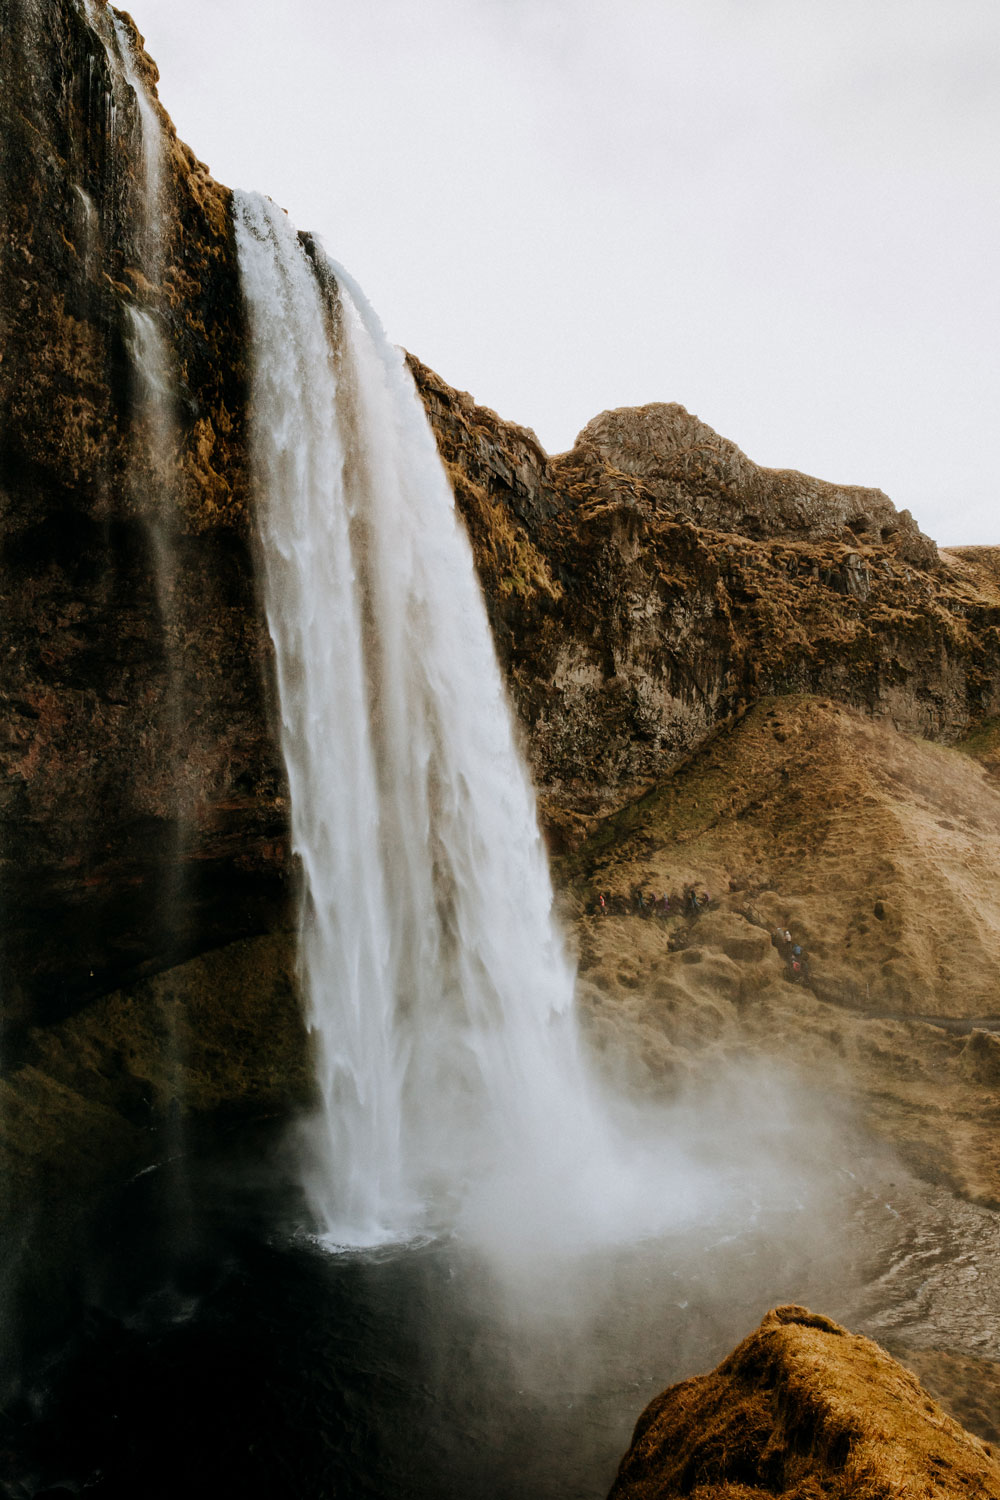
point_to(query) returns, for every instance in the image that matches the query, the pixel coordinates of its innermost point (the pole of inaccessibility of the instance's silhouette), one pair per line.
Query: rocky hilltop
(686, 466)
(653, 582)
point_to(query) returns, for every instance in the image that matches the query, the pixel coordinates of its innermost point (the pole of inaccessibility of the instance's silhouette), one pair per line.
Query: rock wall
(653, 581)
(686, 466)
(140, 787)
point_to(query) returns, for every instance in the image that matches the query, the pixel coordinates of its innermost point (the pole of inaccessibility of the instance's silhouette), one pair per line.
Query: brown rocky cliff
(689, 468)
(653, 581)
(804, 1409)
(140, 790)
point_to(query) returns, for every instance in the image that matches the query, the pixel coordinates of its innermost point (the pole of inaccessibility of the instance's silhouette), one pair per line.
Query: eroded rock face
(140, 787)
(685, 465)
(803, 1408)
(653, 581)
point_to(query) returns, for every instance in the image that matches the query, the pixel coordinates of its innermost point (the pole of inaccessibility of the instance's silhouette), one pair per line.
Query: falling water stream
(155, 441)
(455, 1092)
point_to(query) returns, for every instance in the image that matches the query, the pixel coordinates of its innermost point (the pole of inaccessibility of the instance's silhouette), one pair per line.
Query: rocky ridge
(686, 466)
(642, 597)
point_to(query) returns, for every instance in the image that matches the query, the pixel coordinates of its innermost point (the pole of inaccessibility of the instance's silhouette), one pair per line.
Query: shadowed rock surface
(140, 789)
(803, 1409)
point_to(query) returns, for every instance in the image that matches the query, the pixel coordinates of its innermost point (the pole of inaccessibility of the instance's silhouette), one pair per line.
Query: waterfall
(438, 992)
(156, 438)
(138, 166)
(156, 378)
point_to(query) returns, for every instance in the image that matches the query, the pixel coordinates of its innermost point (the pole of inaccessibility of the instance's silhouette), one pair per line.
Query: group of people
(691, 903)
(796, 958)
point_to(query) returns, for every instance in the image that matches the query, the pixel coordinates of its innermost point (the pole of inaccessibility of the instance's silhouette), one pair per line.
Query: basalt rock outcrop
(687, 467)
(653, 582)
(803, 1409)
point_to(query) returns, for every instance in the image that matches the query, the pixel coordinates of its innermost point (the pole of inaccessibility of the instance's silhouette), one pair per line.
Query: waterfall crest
(438, 991)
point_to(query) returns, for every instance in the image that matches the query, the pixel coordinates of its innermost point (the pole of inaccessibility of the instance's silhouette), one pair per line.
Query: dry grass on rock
(804, 1410)
(881, 854)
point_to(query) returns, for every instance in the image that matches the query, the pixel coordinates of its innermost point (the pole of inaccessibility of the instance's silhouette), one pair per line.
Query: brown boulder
(980, 1057)
(803, 1409)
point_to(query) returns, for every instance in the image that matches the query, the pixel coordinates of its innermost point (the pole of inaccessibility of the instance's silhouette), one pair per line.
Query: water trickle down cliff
(142, 800)
(137, 761)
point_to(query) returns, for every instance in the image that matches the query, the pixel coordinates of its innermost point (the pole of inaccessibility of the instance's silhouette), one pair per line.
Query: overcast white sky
(784, 214)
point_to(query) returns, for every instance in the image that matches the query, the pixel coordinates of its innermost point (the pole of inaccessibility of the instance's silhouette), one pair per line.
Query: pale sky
(784, 214)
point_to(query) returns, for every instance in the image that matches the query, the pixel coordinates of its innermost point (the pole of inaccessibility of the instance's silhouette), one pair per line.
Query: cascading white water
(154, 436)
(152, 141)
(438, 990)
(89, 227)
(147, 344)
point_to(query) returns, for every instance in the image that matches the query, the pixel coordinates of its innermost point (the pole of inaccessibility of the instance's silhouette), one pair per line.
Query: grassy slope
(881, 854)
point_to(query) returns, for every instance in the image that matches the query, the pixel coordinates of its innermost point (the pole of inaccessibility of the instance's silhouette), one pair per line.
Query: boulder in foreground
(801, 1410)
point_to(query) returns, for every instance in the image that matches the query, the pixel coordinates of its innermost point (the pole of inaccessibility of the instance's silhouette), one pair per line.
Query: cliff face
(140, 791)
(653, 581)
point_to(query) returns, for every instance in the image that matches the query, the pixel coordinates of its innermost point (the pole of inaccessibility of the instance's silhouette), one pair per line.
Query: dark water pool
(218, 1351)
